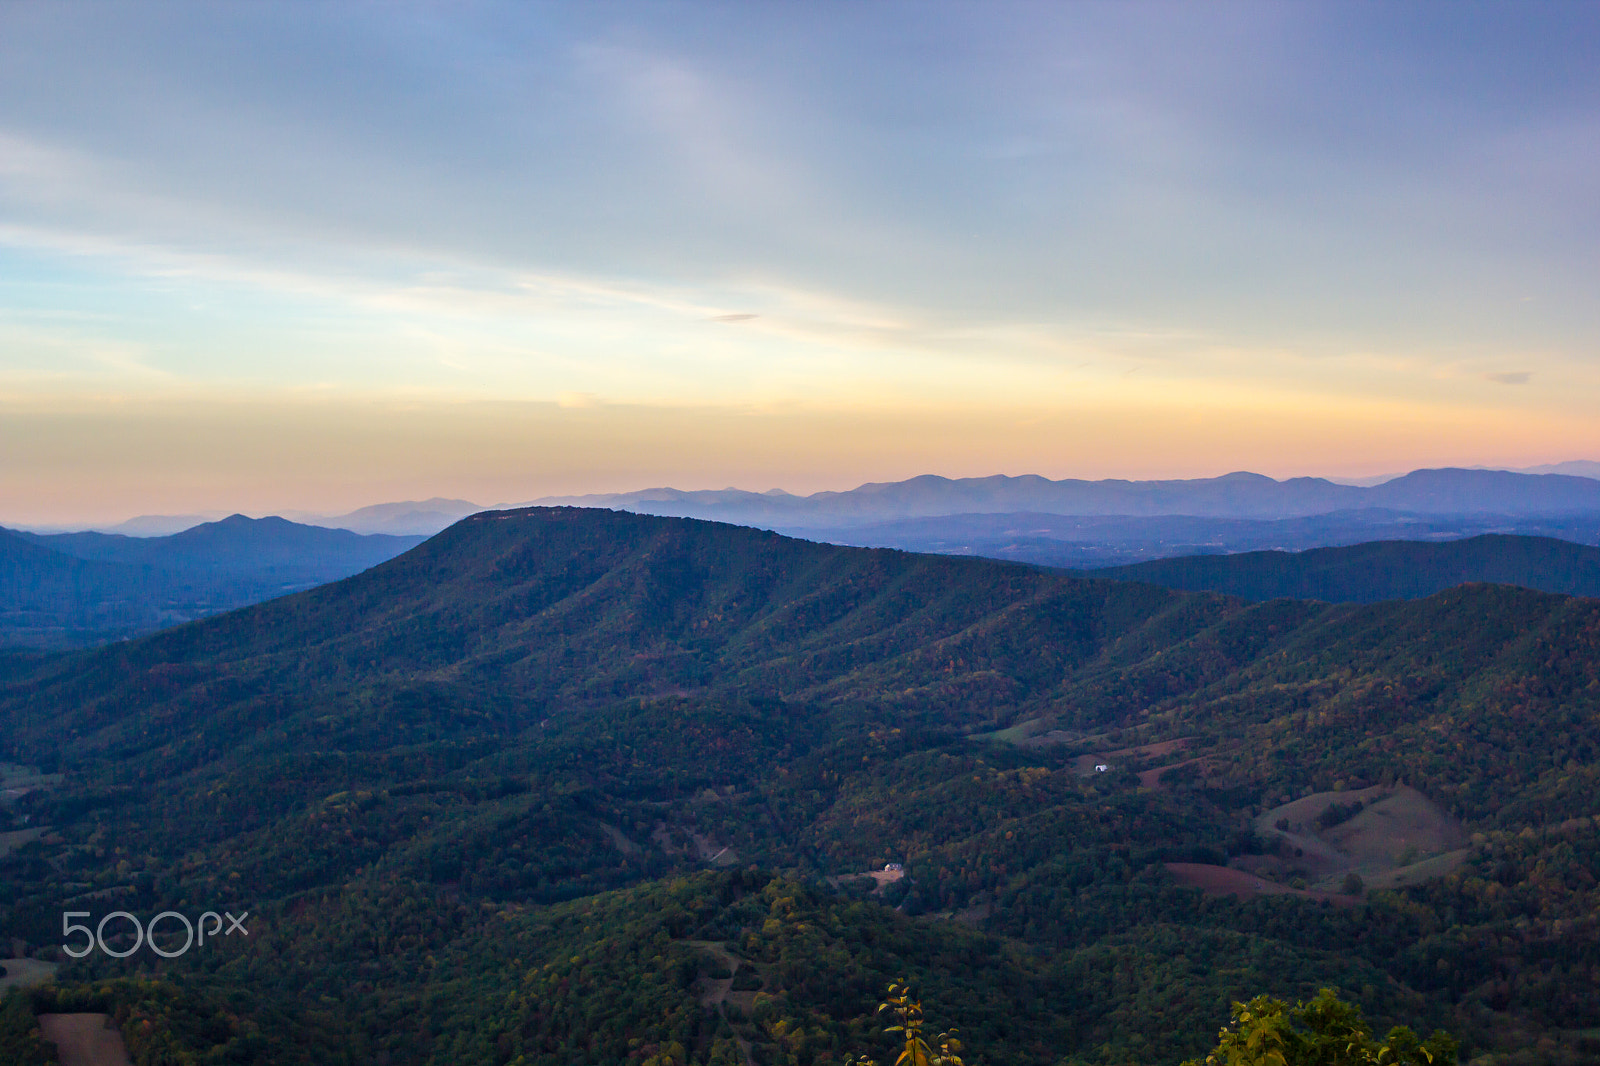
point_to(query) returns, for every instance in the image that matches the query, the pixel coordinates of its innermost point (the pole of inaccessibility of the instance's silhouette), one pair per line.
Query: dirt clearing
(880, 878)
(85, 1039)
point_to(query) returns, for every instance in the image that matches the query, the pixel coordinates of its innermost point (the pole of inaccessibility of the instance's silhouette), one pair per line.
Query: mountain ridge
(560, 715)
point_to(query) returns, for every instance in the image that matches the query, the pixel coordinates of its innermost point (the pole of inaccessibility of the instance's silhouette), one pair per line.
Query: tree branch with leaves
(919, 1050)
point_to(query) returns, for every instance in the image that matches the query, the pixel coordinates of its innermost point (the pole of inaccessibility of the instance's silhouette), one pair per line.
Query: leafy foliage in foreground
(1320, 1032)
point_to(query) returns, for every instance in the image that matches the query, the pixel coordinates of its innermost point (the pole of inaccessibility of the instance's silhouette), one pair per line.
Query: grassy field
(1399, 836)
(24, 973)
(9, 842)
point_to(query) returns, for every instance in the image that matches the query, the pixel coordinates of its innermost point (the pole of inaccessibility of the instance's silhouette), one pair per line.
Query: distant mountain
(1237, 495)
(160, 525)
(1540, 491)
(1485, 491)
(407, 518)
(1384, 570)
(1574, 467)
(70, 589)
(276, 545)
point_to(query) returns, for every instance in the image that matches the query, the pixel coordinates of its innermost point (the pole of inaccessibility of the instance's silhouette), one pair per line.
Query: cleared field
(1227, 881)
(1380, 837)
(717, 993)
(25, 778)
(880, 878)
(85, 1039)
(1303, 812)
(1086, 763)
(1151, 778)
(25, 973)
(1417, 872)
(1034, 733)
(18, 837)
(1398, 837)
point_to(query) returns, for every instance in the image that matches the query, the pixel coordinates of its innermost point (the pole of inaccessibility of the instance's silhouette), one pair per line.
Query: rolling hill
(1383, 570)
(526, 789)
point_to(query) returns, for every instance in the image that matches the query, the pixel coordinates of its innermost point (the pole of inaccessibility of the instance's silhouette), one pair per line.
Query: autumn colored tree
(943, 1050)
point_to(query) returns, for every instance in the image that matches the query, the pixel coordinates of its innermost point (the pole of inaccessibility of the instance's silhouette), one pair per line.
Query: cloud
(1510, 377)
(733, 318)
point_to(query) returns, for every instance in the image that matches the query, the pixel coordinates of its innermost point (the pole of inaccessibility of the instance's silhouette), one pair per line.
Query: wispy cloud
(862, 207)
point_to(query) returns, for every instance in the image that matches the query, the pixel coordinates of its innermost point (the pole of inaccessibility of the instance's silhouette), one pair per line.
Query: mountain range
(1562, 489)
(579, 785)
(1237, 495)
(90, 587)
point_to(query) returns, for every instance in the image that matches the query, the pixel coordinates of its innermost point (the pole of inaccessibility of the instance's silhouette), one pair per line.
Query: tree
(945, 1049)
(1320, 1032)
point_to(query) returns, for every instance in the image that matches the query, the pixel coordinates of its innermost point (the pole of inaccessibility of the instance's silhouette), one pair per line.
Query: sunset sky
(315, 256)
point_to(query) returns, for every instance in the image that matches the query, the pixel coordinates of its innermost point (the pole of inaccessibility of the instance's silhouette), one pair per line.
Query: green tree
(1324, 1031)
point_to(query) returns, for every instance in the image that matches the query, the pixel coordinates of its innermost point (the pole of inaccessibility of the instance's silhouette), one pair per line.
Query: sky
(267, 257)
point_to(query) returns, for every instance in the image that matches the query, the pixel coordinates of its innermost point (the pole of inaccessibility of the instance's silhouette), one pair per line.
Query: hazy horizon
(261, 258)
(1583, 468)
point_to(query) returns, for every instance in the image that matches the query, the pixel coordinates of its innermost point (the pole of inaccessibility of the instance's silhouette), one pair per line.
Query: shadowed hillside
(270, 546)
(48, 598)
(74, 589)
(1383, 570)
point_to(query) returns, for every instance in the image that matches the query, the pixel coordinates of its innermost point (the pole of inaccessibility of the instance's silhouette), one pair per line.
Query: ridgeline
(548, 784)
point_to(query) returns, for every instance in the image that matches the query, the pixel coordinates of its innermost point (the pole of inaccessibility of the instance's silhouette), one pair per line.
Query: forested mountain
(50, 598)
(68, 589)
(571, 785)
(407, 518)
(271, 545)
(1384, 570)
